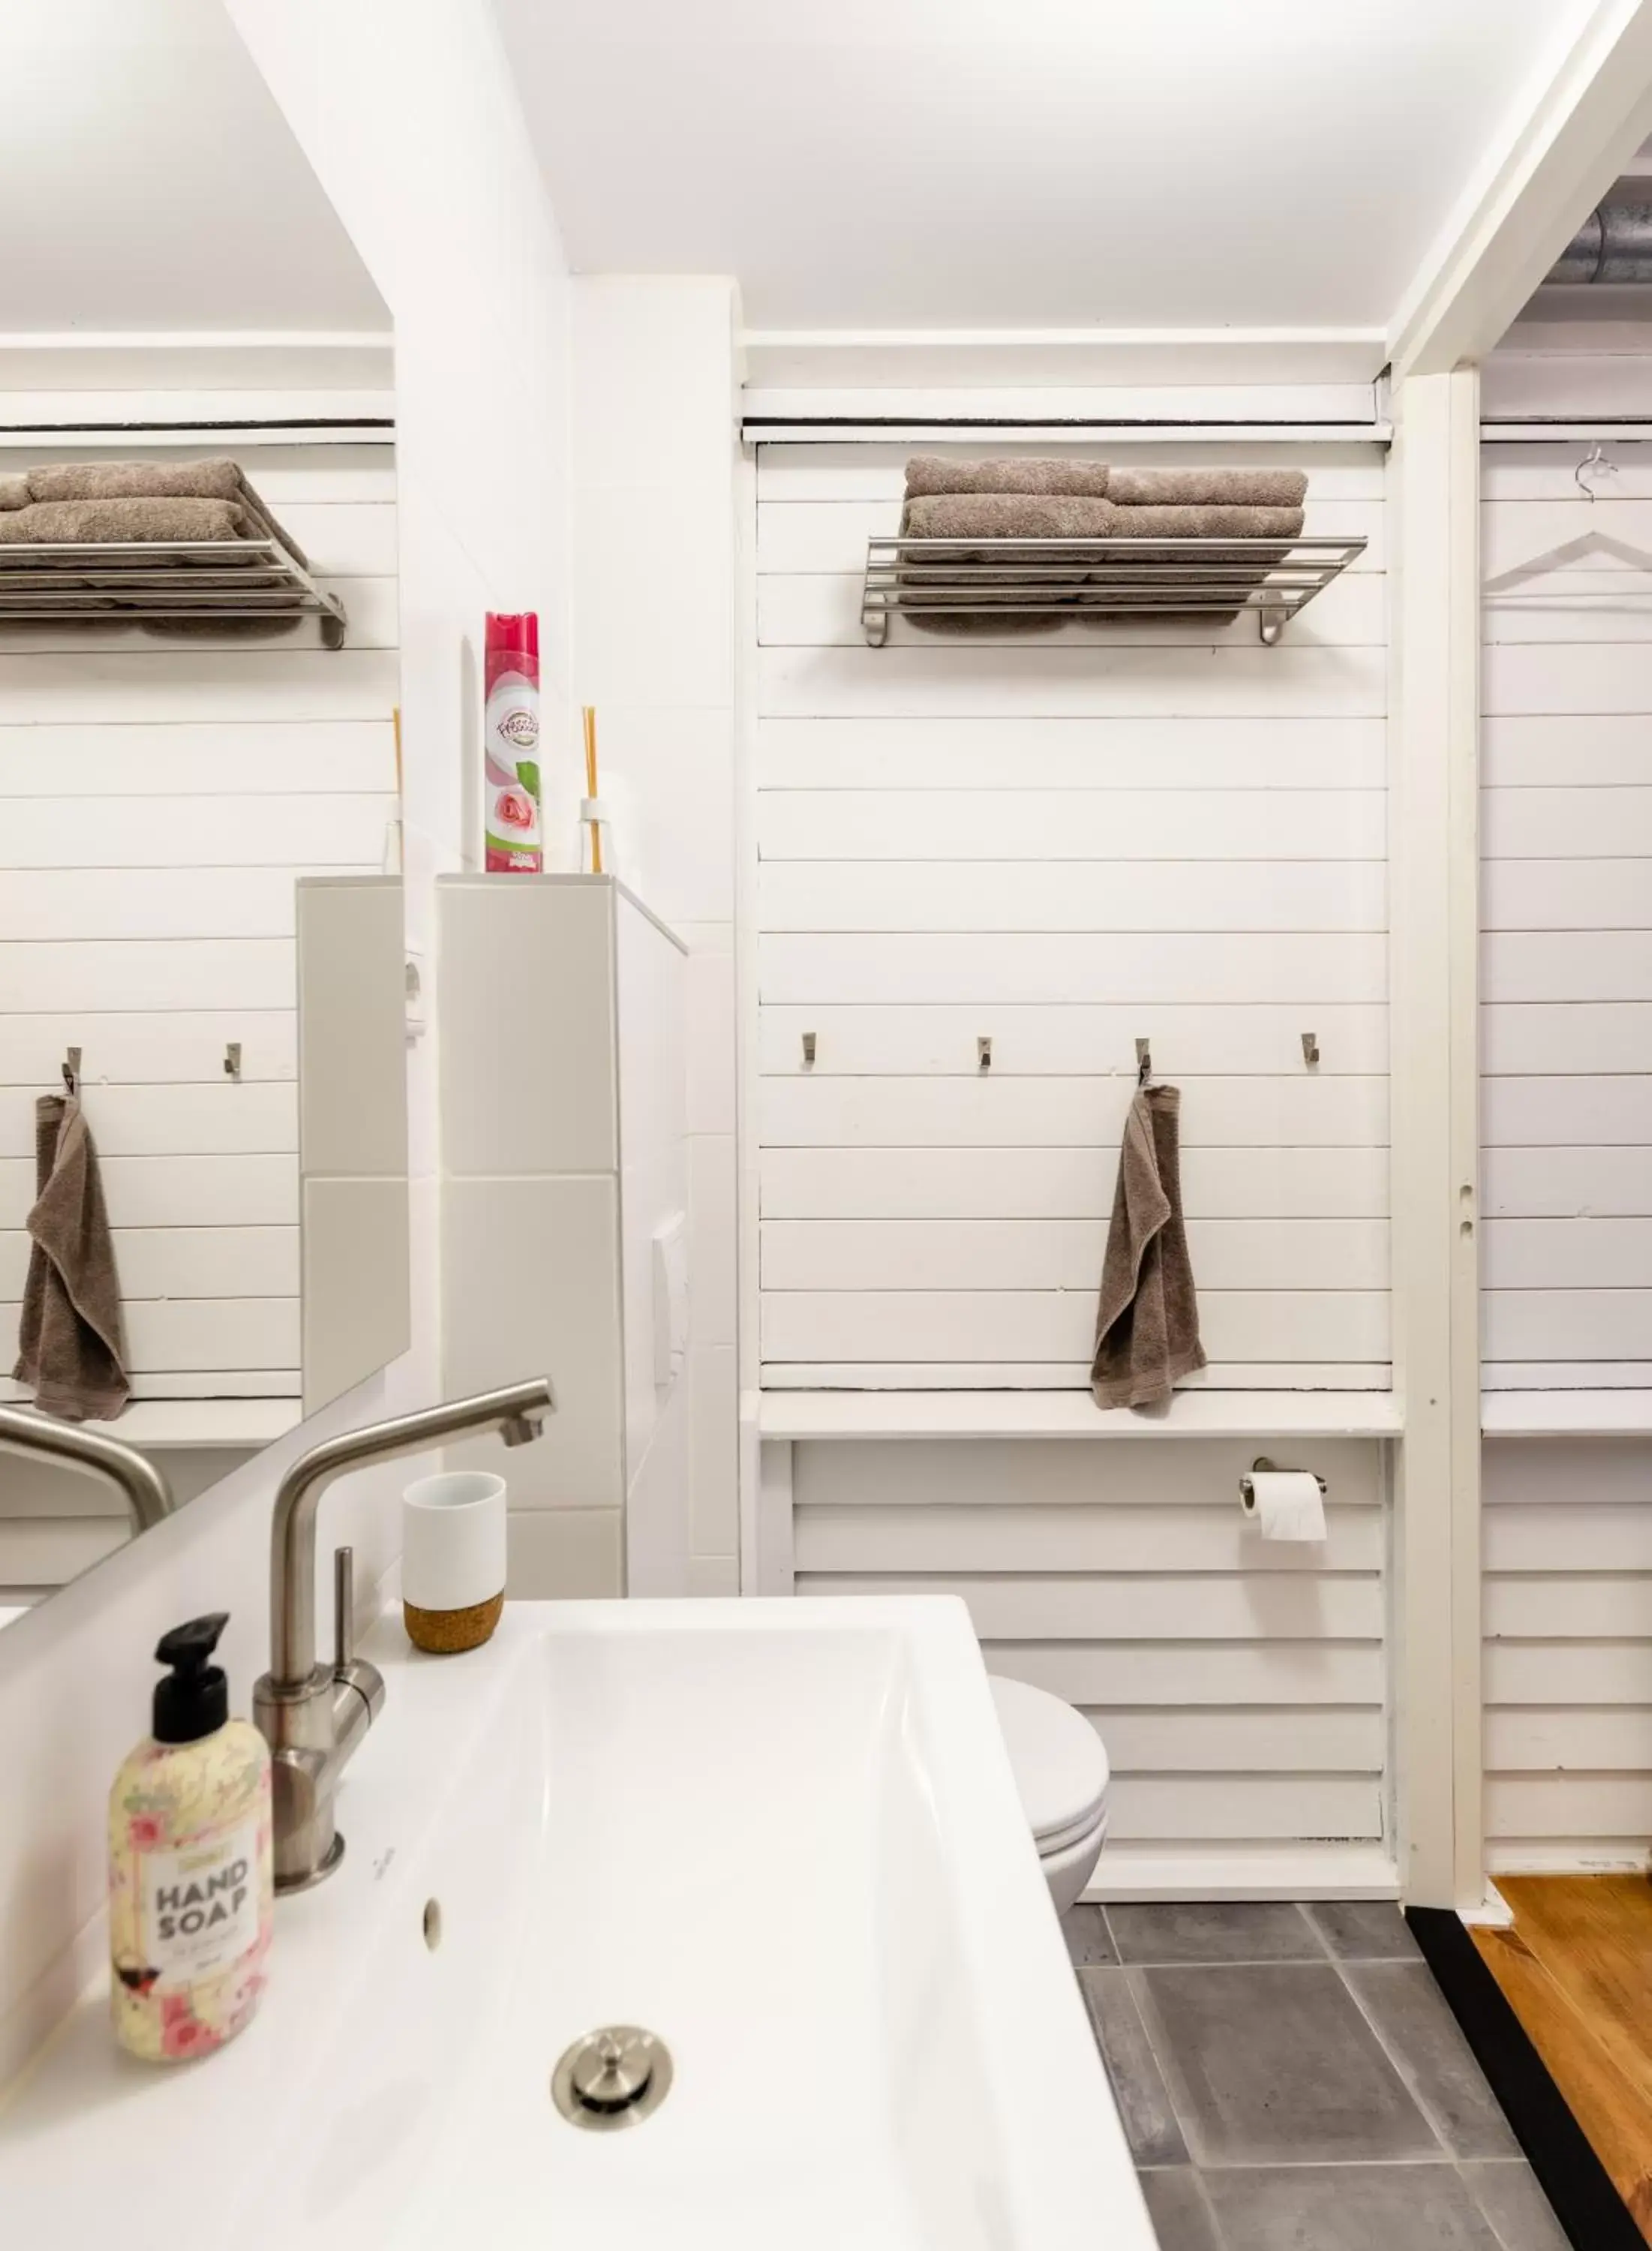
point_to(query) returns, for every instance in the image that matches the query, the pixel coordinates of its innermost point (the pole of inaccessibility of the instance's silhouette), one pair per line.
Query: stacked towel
(54, 522)
(929, 473)
(1029, 499)
(138, 485)
(1208, 488)
(1210, 505)
(1032, 499)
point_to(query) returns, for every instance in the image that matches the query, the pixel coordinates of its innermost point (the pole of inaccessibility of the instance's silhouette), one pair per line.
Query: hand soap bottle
(191, 1878)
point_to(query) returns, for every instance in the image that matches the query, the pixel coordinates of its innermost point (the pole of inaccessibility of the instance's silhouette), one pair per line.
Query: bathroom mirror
(201, 924)
(201, 930)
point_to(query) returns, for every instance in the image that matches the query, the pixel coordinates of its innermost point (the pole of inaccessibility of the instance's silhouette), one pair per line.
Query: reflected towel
(101, 520)
(219, 478)
(1147, 1319)
(71, 1343)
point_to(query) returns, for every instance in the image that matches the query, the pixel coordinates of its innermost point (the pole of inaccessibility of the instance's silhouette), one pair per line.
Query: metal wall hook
(72, 1069)
(1594, 459)
(1310, 1048)
(808, 1050)
(983, 1054)
(1262, 1466)
(232, 1059)
(1143, 1062)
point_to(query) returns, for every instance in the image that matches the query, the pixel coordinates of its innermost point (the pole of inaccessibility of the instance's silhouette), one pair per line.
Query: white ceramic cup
(454, 1540)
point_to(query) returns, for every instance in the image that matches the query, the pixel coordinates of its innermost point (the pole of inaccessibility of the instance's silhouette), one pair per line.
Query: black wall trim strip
(275, 422)
(1574, 2180)
(1046, 422)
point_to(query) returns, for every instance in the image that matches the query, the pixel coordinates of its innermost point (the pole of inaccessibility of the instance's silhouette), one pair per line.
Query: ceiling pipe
(1613, 246)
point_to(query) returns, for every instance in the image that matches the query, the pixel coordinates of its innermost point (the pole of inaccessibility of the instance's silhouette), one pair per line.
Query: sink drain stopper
(610, 2078)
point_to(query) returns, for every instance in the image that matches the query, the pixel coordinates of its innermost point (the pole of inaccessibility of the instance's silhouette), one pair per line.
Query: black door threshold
(1578, 2186)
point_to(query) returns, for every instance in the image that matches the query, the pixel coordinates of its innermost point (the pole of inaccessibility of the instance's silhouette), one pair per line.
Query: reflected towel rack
(1122, 580)
(128, 582)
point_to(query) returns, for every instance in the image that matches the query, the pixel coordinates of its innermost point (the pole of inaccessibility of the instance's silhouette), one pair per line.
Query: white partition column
(1434, 860)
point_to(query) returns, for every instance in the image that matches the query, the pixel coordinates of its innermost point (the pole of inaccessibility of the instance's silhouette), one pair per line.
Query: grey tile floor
(1291, 2080)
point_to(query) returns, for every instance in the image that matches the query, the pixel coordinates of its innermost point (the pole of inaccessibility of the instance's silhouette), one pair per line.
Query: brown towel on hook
(71, 1345)
(928, 474)
(1147, 1321)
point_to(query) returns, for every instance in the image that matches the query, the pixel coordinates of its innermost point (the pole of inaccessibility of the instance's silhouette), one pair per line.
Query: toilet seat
(1060, 1766)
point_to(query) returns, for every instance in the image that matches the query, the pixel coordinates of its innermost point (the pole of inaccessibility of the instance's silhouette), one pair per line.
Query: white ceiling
(1028, 163)
(149, 182)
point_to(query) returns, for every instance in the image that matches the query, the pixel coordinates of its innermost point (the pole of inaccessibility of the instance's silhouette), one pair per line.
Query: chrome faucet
(147, 1494)
(312, 1715)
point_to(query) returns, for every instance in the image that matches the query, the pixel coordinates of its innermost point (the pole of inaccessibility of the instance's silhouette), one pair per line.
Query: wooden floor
(1577, 1970)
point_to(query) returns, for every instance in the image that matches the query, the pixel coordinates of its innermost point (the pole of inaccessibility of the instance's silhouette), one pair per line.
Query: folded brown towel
(928, 474)
(967, 516)
(1147, 1320)
(1208, 487)
(14, 489)
(215, 479)
(1211, 520)
(71, 1345)
(1007, 516)
(116, 520)
(219, 478)
(989, 621)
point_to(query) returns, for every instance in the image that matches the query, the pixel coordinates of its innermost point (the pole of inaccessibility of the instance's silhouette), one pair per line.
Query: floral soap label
(200, 1905)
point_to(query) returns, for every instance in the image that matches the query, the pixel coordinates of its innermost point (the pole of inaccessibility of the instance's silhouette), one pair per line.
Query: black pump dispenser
(194, 1698)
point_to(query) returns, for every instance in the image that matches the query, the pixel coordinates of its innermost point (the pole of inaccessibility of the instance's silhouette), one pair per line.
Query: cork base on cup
(444, 1633)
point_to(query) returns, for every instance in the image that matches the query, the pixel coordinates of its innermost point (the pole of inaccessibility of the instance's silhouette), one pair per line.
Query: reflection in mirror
(203, 1098)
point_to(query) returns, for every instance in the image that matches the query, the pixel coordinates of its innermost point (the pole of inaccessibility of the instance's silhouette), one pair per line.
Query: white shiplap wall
(1063, 843)
(1240, 1687)
(1567, 912)
(1567, 1062)
(1568, 1662)
(158, 797)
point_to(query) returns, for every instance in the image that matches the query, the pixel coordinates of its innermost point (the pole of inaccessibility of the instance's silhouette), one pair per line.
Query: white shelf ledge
(1075, 1415)
(1567, 1414)
(249, 1422)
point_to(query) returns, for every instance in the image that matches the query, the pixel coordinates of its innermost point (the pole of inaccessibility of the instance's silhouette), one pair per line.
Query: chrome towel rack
(1123, 580)
(135, 582)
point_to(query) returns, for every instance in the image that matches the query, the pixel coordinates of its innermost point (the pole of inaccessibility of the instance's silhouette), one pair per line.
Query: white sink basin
(782, 1836)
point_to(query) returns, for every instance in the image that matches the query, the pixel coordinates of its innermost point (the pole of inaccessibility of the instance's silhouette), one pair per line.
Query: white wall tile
(676, 763)
(711, 1033)
(653, 599)
(525, 987)
(530, 1287)
(566, 1555)
(656, 1506)
(714, 1462)
(713, 1576)
(352, 1028)
(356, 1312)
(655, 391)
(712, 1225)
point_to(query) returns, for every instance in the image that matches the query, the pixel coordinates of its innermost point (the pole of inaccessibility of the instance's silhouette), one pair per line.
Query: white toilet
(1061, 1772)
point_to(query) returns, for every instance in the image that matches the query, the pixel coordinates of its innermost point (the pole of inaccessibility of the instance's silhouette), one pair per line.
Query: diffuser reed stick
(589, 715)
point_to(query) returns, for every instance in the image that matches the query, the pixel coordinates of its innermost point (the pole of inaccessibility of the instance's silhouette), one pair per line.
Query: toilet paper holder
(1261, 1464)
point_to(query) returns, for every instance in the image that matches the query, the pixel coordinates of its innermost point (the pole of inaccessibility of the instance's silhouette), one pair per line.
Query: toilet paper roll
(1284, 1504)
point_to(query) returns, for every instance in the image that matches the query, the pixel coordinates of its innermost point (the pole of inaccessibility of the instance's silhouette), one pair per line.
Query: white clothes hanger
(1574, 551)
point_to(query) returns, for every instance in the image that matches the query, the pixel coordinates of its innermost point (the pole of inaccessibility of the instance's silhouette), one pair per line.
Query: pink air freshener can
(511, 744)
